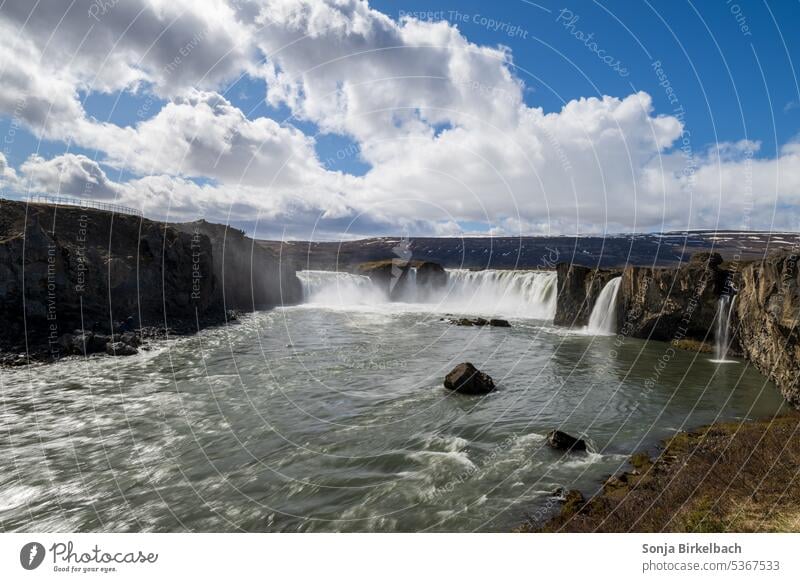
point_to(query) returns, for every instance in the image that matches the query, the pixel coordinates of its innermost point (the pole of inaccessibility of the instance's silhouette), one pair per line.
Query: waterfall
(338, 288)
(525, 294)
(603, 320)
(722, 335)
(511, 293)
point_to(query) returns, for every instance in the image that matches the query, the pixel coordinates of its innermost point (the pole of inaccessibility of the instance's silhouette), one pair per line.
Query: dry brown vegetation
(727, 477)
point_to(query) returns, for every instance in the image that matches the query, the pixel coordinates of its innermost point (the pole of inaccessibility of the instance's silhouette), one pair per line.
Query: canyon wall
(672, 304)
(248, 276)
(70, 268)
(578, 289)
(766, 310)
(678, 304)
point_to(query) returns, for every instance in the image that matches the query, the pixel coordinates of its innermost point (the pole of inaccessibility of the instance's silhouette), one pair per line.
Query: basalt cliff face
(248, 276)
(578, 289)
(672, 304)
(767, 309)
(680, 304)
(69, 268)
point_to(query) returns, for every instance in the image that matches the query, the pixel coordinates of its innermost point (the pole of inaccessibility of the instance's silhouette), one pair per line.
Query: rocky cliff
(68, 270)
(767, 308)
(248, 276)
(681, 305)
(394, 277)
(578, 289)
(672, 304)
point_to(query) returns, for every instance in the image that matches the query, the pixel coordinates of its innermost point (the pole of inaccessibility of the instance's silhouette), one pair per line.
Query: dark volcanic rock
(467, 379)
(563, 441)
(767, 312)
(578, 289)
(75, 265)
(69, 271)
(431, 277)
(249, 276)
(120, 349)
(391, 276)
(479, 322)
(671, 304)
(703, 259)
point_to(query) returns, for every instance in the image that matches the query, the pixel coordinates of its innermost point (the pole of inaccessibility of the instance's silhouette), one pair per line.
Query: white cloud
(440, 121)
(70, 174)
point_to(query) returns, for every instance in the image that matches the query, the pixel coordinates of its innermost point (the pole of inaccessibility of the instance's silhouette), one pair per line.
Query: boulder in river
(120, 349)
(499, 323)
(563, 441)
(467, 379)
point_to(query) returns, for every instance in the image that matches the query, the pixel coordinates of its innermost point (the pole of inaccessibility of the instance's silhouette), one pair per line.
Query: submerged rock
(467, 379)
(120, 349)
(563, 441)
(480, 322)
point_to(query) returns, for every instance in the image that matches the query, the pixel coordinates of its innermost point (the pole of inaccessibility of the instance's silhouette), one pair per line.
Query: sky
(340, 119)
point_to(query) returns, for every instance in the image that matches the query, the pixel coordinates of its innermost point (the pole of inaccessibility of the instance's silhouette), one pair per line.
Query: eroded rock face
(467, 379)
(431, 277)
(671, 304)
(578, 289)
(767, 314)
(81, 269)
(249, 276)
(394, 277)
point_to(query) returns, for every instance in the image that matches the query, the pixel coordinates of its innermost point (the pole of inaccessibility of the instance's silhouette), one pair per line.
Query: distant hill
(668, 249)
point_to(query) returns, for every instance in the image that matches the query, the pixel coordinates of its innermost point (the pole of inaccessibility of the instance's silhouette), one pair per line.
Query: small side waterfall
(723, 325)
(603, 319)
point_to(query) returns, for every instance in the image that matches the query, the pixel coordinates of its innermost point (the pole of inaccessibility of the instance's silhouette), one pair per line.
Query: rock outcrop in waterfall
(578, 290)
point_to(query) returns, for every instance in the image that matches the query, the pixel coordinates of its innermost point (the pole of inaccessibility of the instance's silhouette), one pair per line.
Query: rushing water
(331, 416)
(603, 319)
(723, 324)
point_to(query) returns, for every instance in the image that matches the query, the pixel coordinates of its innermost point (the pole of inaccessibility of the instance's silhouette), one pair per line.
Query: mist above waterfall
(524, 294)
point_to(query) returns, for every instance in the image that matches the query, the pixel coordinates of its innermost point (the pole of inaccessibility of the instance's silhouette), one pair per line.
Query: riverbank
(725, 477)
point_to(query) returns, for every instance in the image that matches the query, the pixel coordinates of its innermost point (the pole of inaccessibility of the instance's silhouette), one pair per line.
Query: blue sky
(712, 74)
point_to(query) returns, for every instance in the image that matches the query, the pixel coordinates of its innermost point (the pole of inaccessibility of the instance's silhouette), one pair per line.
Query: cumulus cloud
(70, 174)
(439, 120)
